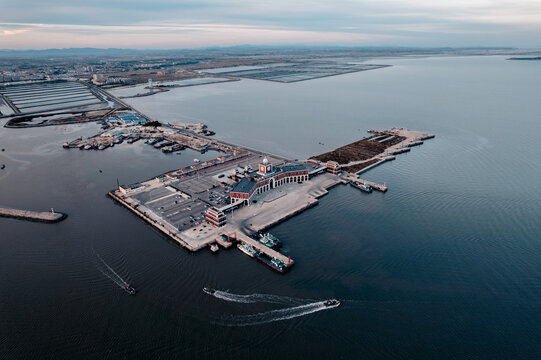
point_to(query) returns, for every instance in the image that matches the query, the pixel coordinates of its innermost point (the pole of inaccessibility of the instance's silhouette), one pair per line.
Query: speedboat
(331, 302)
(209, 290)
(130, 290)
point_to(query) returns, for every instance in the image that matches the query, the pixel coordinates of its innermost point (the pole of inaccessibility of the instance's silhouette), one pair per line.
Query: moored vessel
(274, 263)
(363, 187)
(247, 249)
(270, 241)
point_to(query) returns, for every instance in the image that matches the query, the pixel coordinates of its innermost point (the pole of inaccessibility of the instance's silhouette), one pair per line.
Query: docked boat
(363, 187)
(162, 143)
(130, 290)
(331, 303)
(247, 249)
(209, 291)
(270, 241)
(214, 248)
(274, 263)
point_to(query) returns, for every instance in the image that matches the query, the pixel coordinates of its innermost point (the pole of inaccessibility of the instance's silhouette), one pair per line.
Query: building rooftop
(131, 186)
(244, 186)
(296, 167)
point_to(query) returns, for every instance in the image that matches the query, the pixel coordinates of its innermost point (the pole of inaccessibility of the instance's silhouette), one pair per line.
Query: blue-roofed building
(267, 178)
(244, 186)
(132, 118)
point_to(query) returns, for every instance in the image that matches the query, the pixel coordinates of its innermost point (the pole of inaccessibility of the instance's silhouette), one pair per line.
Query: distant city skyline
(170, 24)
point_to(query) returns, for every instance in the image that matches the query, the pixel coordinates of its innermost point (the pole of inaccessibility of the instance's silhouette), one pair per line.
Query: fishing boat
(247, 249)
(270, 241)
(272, 262)
(363, 187)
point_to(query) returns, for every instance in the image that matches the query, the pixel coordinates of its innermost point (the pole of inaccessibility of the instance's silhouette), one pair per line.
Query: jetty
(373, 150)
(288, 262)
(373, 185)
(45, 216)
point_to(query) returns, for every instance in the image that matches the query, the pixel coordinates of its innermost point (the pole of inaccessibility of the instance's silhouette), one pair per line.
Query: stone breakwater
(46, 216)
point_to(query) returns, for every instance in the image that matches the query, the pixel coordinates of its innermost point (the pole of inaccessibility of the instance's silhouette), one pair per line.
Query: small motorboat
(209, 290)
(331, 303)
(130, 290)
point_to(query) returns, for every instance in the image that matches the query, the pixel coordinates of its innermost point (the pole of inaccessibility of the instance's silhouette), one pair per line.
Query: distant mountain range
(115, 52)
(525, 58)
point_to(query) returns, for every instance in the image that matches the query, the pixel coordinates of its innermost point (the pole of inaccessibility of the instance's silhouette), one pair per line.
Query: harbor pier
(286, 260)
(45, 216)
(245, 192)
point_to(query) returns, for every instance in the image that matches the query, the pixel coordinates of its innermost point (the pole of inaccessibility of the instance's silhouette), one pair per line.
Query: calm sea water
(446, 264)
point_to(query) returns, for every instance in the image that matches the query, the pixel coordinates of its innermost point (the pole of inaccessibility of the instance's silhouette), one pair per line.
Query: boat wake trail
(256, 298)
(276, 315)
(110, 273)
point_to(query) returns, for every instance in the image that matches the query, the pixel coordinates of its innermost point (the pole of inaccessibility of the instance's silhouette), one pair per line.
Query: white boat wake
(110, 273)
(256, 298)
(277, 315)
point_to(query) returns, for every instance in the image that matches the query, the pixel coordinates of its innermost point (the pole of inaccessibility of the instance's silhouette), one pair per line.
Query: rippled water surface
(446, 264)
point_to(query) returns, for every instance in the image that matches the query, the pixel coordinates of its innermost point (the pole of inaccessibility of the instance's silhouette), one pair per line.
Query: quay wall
(160, 228)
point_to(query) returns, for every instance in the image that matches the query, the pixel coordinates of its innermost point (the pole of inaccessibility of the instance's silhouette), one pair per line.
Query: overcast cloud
(163, 24)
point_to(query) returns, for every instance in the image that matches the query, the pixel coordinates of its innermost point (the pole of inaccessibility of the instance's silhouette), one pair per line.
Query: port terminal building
(265, 179)
(254, 183)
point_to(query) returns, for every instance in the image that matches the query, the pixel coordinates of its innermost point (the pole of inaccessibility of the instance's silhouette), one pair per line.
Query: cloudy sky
(164, 24)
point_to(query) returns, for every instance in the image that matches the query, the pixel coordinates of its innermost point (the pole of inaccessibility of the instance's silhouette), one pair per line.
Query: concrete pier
(373, 185)
(46, 216)
(266, 250)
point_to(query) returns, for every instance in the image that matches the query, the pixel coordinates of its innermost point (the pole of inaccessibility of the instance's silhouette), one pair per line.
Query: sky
(178, 24)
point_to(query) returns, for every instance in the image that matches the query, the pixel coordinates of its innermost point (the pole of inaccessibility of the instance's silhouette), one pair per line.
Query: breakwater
(45, 216)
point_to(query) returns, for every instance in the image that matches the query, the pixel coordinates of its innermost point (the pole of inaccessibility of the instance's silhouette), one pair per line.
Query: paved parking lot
(182, 204)
(197, 185)
(186, 214)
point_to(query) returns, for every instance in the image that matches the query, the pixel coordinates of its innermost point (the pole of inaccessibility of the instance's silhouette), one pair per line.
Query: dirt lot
(363, 149)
